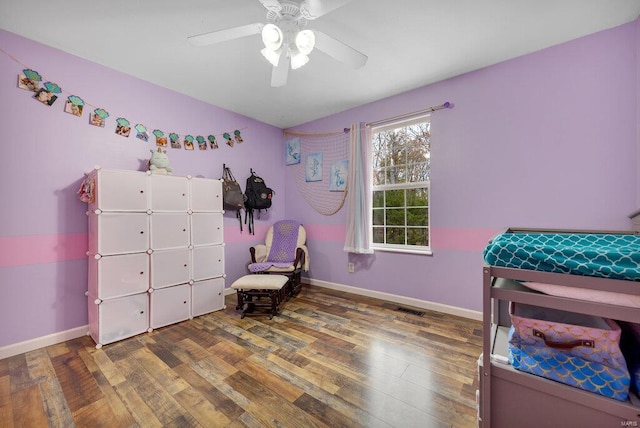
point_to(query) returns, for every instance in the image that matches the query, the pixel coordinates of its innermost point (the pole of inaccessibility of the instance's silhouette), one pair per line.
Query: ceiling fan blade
(280, 73)
(312, 9)
(338, 50)
(225, 35)
(272, 5)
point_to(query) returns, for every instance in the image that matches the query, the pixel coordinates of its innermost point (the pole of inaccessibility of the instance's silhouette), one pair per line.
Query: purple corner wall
(43, 227)
(544, 140)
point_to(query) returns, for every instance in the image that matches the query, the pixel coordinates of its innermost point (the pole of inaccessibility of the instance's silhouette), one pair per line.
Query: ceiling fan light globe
(272, 56)
(305, 41)
(298, 60)
(272, 37)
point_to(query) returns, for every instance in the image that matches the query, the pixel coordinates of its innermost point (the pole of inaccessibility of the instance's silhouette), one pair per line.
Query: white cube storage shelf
(156, 251)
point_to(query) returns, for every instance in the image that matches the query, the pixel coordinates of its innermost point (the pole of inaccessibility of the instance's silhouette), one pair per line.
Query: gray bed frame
(511, 398)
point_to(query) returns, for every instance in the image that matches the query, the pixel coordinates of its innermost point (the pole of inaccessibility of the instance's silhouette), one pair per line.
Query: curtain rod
(410, 115)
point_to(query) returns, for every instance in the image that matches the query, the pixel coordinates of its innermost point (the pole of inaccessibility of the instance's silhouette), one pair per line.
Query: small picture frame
(202, 143)
(123, 127)
(292, 147)
(74, 105)
(45, 97)
(27, 84)
(98, 117)
(188, 142)
(29, 80)
(142, 133)
(338, 176)
(161, 139)
(174, 141)
(313, 170)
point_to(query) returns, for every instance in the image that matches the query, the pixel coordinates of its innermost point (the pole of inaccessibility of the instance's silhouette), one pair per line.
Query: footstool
(250, 288)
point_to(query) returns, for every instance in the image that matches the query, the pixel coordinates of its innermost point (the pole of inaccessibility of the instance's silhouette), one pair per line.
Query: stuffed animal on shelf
(159, 163)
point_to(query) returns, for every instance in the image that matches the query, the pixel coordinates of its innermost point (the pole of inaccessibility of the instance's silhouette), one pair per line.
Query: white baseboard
(409, 301)
(41, 342)
(62, 336)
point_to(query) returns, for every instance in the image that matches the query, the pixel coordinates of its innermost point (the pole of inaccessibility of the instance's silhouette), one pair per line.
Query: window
(401, 167)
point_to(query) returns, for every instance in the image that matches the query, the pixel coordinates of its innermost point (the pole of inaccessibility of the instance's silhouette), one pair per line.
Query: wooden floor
(330, 359)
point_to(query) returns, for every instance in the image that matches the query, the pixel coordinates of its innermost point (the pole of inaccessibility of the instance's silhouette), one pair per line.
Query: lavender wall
(43, 269)
(544, 140)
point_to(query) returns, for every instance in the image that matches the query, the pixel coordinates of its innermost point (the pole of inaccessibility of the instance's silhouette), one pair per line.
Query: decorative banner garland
(47, 94)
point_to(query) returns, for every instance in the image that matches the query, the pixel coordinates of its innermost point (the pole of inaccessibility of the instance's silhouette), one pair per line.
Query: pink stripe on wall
(29, 250)
(461, 239)
(325, 232)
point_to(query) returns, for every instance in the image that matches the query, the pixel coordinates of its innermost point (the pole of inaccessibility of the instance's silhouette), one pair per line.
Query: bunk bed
(572, 281)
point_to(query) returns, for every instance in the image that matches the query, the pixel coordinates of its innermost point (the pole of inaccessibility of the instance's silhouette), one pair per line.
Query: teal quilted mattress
(612, 256)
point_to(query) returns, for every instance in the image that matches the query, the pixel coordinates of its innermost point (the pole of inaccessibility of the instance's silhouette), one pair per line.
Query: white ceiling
(410, 43)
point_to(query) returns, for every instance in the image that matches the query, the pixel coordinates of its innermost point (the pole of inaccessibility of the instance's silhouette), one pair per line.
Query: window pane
(378, 235)
(418, 237)
(394, 198)
(378, 217)
(395, 235)
(378, 177)
(398, 174)
(378, 199)
(417, 197)
(417, 216)
(395, 217)
(418, 172)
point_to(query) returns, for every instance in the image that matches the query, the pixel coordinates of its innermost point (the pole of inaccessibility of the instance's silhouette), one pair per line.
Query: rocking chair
(284, 253)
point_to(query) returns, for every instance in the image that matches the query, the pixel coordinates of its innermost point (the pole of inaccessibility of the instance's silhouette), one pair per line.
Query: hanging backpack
(232, 197)
(257, 197)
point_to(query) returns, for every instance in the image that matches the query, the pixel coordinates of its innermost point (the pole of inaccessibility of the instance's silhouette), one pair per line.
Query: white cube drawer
(169, 193)
(170, 267)
(207, 296)
(119, 233)
(116, 319)
(169, 230)
(120, 275)
(117, 190)
(206, 228)
(206, 194)
(170, 305)
(208, 262)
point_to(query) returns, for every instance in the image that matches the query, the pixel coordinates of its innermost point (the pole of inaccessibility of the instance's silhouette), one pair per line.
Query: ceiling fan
(287, 40)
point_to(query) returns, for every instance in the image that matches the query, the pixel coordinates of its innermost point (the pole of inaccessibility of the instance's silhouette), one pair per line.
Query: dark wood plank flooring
(330, 359)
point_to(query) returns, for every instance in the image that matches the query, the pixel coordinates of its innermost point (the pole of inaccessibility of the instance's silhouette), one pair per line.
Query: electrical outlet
(351, 268)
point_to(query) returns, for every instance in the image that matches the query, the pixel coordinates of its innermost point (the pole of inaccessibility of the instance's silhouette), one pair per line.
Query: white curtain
(358, 201)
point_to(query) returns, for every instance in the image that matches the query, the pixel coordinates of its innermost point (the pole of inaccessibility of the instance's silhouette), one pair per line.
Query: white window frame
(402, 248)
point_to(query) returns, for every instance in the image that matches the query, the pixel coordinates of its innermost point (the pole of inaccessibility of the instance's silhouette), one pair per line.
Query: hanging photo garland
(47, 93)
